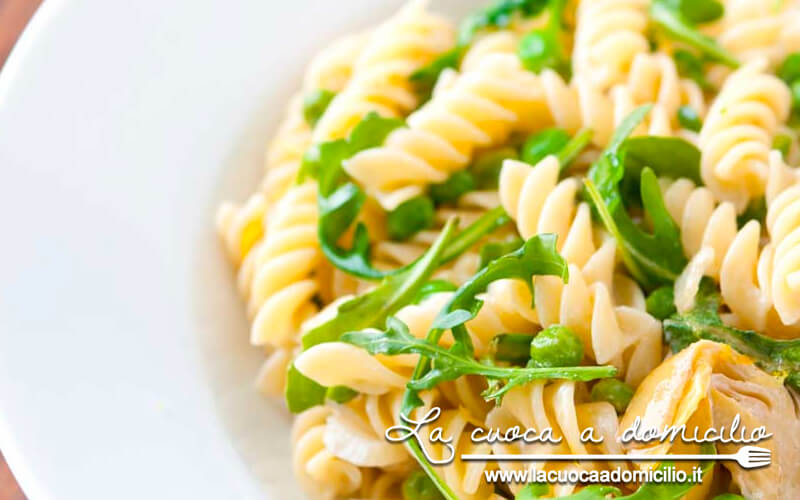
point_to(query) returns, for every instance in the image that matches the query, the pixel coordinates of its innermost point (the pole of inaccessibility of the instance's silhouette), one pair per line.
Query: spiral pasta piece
(783, 224)
(494, 96)
(751, 278)
(480, 109)
(758, 30)
(562, 407)
(241, 226)
(464, 478)
(408, 41)
(277, 276)
(317, 469)
(282, 274)
(539, 203)
(737, 135)
(608, 36)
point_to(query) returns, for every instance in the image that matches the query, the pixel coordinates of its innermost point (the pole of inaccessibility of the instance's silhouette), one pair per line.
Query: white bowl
(125, 369)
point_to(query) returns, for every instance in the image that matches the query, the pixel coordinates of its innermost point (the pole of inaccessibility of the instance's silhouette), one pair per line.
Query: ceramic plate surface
(125, 369)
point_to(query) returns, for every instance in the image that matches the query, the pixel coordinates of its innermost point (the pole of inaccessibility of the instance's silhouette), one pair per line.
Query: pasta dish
(552, 215)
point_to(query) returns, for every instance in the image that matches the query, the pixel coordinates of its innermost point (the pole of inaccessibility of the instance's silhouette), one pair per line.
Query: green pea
(689, 119)
(315, 103)
(546, 142)
(661, 303)
(556, 346)
(511, 347)
(410, 217)
(782, 143)
(789, 71)
(434, 286)
(340, 394)
(450, 190)
(418, 486)
(614, 391)
(486, 168)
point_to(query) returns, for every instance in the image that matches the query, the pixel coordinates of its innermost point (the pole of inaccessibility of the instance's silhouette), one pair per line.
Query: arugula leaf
(432, 287)
(371, 309)
(698, 11)
(486, 168)
(482, 226)
(573, 148)
(789, 70)
(497, 15)
(778, 357)
(544, 143)
(340, 394)
(537, 256)
(690, 66)
(410, 217)
(674, 22)
(496, 249)
(301, 392)
(449, 191)
(418, 486)
(424, 79)
(512, 347)
(607, 172)
(365, 311)
(315, 103)
(450, 364)
(542, 48)
(340, 200)
(648, 491)
(555, 141)
(667, 156)
(652, 258)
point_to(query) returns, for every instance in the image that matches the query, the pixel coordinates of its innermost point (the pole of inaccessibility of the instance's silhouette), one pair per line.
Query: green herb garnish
(690, 66)
(678, 18)
(778, 357)
(453, 188)
(656, 257)
(511, 347)
(543, 48)
(410, 217)
(450, 364)
(496, 249)
(315, 103)
(418, 486)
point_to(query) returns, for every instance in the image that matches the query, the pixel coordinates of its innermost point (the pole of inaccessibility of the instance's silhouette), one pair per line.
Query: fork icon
(748, 457)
